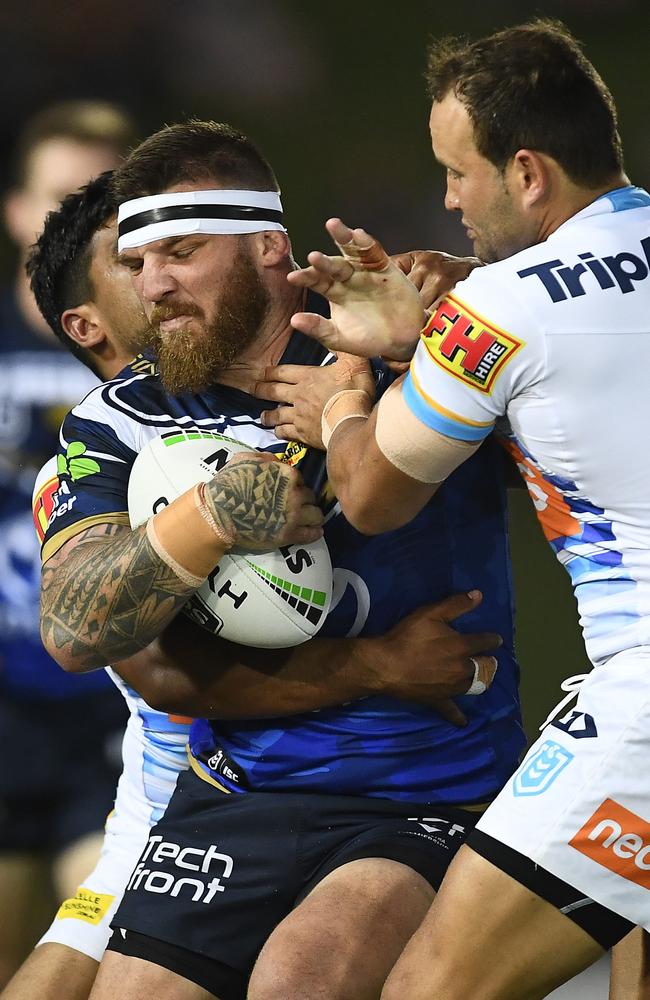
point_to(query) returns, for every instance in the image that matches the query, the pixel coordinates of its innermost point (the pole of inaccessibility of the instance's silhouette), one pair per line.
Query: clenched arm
(104, 595)
(190, 672)
(107, 593)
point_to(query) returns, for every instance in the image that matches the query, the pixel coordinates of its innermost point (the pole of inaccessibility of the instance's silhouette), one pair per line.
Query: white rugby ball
(274, 599)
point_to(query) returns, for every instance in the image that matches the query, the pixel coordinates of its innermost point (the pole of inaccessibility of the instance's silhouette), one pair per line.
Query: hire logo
(618, 840)
(468, 346)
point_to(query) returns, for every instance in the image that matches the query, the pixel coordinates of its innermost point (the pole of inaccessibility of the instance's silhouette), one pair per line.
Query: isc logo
(617, 839)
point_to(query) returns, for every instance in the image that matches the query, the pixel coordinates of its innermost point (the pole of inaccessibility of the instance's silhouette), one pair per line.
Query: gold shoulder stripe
(53, 545)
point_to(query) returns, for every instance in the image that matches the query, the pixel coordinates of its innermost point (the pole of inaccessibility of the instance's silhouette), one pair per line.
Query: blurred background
(334, 95)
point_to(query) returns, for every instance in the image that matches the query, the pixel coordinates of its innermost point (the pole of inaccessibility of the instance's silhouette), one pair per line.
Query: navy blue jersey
(375, 746)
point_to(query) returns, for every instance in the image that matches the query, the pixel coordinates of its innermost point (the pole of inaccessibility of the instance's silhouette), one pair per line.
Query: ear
(273, 247)
(82, 325)
(530, 176)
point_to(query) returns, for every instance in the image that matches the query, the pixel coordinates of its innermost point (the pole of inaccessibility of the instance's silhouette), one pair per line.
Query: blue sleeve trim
(438, 421)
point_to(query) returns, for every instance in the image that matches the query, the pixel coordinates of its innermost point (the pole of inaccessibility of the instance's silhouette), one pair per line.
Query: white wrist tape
(484, 671)
(344, 405)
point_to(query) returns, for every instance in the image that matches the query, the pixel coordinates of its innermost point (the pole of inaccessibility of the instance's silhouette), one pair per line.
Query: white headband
(143, 220)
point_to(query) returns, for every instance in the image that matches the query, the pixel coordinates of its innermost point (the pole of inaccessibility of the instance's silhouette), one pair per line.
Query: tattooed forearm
(248, 499)
(105, 595)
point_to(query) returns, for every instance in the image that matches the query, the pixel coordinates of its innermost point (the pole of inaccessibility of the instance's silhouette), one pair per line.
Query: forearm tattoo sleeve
(107, 597)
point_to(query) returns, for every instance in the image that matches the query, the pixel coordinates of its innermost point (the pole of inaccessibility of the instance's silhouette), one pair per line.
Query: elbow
(370, 518)
(78, 661)
(74, 664)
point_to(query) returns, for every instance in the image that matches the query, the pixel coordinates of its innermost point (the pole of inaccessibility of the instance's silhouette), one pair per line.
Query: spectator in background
(60, 734)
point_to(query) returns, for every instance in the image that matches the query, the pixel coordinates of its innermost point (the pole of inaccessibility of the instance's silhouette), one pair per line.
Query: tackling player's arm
(385, 463)
(190, 672)
(109, 591)
(386, 467)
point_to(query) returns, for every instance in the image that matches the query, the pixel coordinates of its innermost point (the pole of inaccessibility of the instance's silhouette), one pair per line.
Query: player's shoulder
(138, 379)
(119, 408)
(498, 293)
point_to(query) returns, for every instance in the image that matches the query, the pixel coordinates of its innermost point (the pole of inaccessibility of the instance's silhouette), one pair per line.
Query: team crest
(468, 346)
(540, 771)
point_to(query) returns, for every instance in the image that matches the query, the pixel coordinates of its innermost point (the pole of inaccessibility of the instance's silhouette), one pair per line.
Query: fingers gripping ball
(274, 599)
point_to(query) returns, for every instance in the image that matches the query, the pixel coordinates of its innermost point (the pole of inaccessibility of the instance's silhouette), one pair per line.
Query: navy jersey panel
(375, 746)
(380, 745)
(38, 382)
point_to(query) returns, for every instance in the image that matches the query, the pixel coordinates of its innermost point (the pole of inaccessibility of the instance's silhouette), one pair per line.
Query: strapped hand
(374, 308)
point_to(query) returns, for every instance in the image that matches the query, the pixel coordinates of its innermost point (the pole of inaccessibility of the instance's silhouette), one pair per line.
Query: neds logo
(617, 839)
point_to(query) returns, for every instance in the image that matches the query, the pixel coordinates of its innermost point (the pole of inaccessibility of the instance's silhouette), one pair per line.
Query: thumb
(315, 326)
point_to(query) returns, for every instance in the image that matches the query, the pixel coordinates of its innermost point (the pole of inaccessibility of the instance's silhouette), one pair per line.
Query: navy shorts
(221, 871)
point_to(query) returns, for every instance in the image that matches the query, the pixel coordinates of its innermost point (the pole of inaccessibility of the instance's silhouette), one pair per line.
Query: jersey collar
(621, 199)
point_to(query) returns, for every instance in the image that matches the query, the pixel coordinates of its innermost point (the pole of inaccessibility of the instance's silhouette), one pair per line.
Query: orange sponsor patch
(618, 840)
(555, 515)
(468, 346)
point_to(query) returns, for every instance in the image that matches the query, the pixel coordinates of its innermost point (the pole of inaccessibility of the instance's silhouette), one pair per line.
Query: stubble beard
(191, 362)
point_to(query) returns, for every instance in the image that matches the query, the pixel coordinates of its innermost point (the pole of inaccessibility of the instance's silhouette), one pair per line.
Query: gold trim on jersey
(478, 807)
(198, 770)
(53, 545)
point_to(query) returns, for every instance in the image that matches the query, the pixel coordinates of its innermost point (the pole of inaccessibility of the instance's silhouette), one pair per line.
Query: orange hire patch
(468, 346)
(617, 839)
(44, 505)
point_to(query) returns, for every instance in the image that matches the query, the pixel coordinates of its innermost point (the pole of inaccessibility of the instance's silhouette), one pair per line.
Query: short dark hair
(87, 122)
(59, 262)
(193, 151)
(531, 87)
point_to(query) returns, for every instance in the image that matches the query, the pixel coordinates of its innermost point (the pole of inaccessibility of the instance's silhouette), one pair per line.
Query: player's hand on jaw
(375, 309)
(423, 659)
(434, 273)
(302, 392)
(259, 504)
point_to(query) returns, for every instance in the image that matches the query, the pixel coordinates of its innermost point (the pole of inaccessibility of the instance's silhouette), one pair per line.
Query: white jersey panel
(565, 329)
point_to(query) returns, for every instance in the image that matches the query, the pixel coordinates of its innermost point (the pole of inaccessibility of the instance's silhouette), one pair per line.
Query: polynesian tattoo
(111, 595)
(248, 501)
(107, 597)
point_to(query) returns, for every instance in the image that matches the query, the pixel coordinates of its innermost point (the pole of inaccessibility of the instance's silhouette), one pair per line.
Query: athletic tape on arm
(416, 450)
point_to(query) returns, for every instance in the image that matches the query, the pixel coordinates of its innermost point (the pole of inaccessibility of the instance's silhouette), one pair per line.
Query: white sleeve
(479, 350)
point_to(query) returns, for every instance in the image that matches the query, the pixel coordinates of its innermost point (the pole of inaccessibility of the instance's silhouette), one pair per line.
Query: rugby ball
(273, 599)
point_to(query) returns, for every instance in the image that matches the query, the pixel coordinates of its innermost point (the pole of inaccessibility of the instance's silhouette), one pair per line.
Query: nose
(156, 281)
(452, 197)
